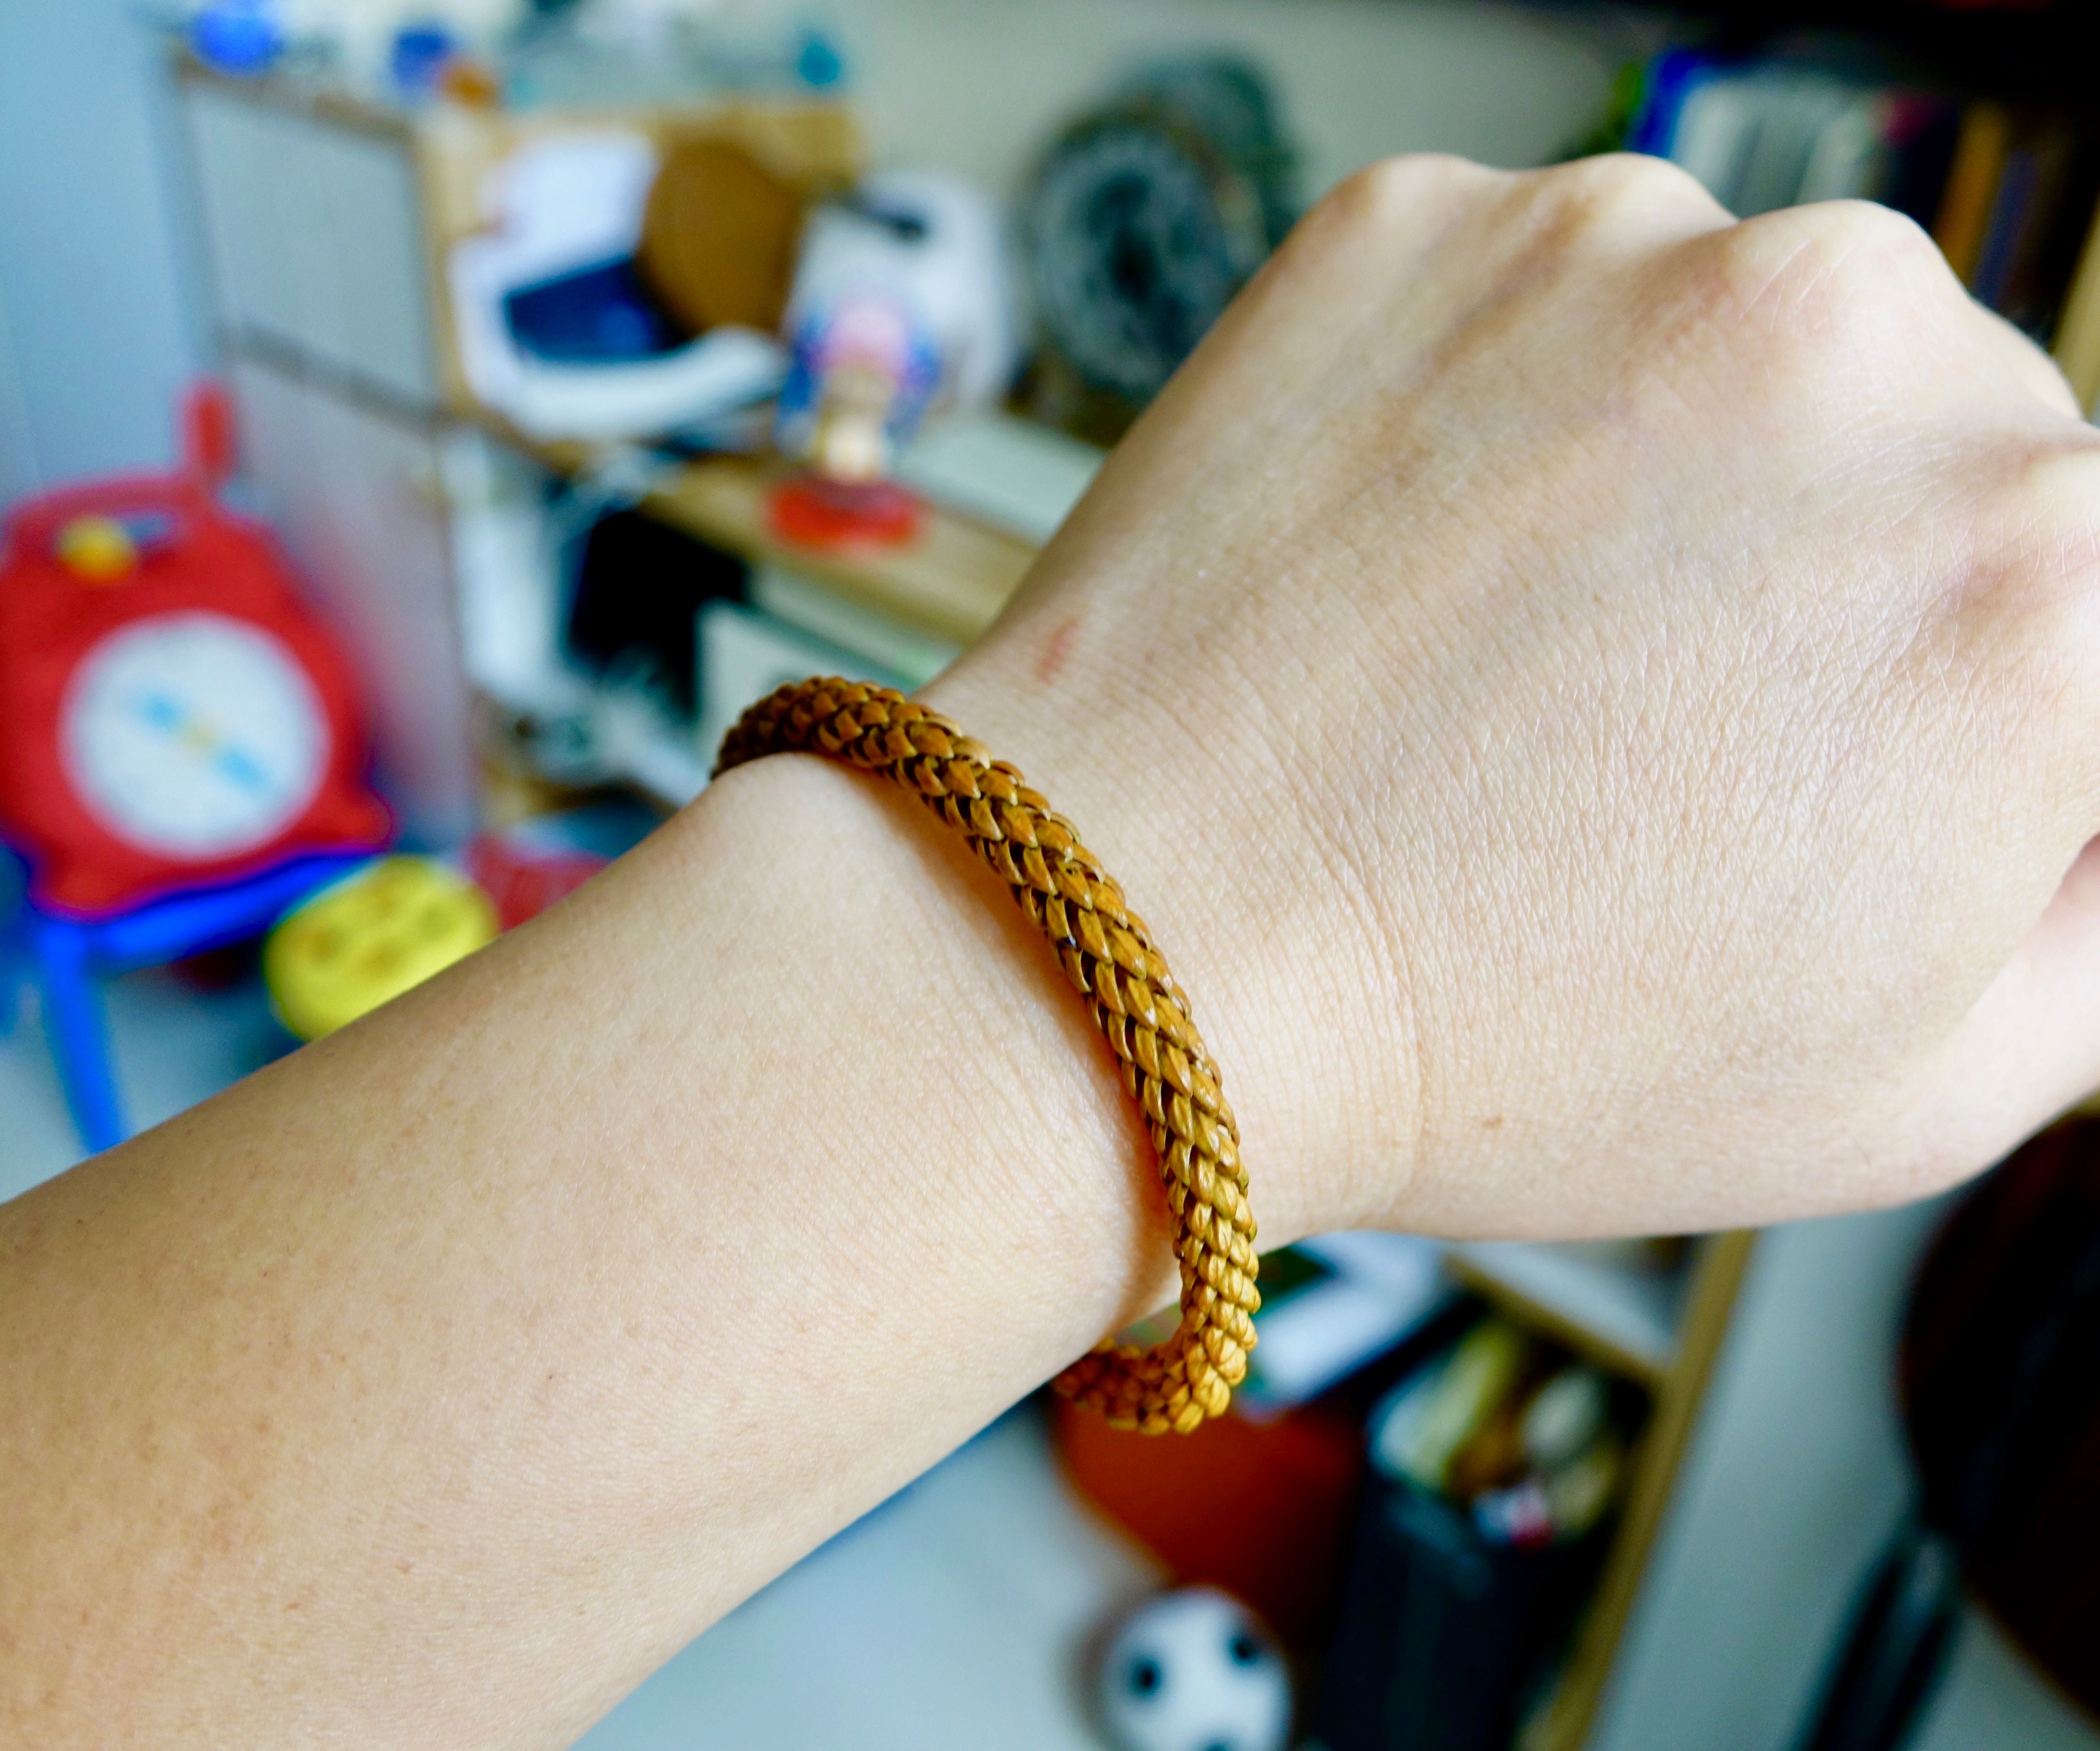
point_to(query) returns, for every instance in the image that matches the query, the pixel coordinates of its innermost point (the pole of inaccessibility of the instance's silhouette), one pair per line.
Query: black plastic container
(1444, 1634)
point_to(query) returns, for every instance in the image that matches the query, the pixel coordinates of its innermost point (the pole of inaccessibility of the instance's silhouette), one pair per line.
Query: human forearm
(432, 1386)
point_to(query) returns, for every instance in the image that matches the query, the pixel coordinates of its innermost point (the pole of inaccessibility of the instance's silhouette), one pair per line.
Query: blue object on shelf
(818, 62)
(419, 55)
(69, 956)
(598, 314)
(1670, 78)
(237, 36)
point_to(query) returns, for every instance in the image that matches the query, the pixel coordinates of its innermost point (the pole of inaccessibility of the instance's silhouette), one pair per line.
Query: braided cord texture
(1107, 953)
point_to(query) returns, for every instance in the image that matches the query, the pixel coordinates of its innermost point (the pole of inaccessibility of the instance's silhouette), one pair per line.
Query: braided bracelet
(1109, 954)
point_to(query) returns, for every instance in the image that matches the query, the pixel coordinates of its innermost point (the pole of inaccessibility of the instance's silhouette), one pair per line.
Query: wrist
(1015, 1138)
(1327, 1121)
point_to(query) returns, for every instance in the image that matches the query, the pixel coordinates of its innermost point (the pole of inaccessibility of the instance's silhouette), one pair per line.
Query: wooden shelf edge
(1710, 1303)
(1476, 1270)
(951, 582)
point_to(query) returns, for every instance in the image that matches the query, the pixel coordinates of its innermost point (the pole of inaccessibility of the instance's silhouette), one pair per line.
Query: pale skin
(1597, 703)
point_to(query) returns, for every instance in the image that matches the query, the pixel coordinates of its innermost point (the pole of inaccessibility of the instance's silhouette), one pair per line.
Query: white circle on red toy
(194, 735)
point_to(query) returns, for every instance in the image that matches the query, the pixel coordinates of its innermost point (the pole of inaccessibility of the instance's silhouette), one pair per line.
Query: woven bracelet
(1109, 954)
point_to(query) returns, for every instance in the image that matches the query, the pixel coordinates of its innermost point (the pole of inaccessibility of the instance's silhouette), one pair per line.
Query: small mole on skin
(1055, 652)
(1492, 1124)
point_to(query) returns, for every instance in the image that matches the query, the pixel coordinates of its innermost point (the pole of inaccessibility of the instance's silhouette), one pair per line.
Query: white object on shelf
(1383, 1286)
(1631, 1312)
(632, 739)
(932, 243)
(914, 658)
(556, 206)
(745, 654)
(1010, 473)
(505, 550)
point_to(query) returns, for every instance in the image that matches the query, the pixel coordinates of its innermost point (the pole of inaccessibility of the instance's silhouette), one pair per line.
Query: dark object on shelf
(638, 590)
(2001, 1374)
(2019, 198)
(601, 315)
(2035, 49)
(1902, 1633)
(1140, 221)
(1444, 1634)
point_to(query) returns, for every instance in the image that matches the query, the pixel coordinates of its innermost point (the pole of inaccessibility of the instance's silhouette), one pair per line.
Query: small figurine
(1190, 1670)
(902, 305)
(863, 370)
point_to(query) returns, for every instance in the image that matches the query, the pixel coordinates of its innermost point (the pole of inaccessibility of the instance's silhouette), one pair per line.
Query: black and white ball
(1192, 1671)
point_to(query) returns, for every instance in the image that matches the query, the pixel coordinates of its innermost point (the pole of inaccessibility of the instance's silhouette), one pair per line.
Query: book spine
(1972, 187)
(2078, 330)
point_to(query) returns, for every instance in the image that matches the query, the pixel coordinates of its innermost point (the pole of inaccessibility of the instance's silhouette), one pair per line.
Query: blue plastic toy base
(69, 956)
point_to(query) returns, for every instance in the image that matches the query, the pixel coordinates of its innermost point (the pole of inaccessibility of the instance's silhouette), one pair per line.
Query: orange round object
(842, 516)
(466, 79)
(1287, 1489)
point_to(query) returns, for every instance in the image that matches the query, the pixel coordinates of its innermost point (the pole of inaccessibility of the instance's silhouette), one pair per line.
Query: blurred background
(425, 425)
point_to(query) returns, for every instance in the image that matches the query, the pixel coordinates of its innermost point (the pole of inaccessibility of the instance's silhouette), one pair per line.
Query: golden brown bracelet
(1141, 1012)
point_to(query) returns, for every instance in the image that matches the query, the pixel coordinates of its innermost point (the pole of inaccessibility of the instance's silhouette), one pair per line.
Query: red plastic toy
(170, 713)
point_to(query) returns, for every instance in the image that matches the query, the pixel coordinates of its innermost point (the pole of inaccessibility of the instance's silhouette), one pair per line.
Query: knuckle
(1397, 194)
(1841, 291)
(1837, 260)
(2024, 611)
(1863, 239)
(1613, 188)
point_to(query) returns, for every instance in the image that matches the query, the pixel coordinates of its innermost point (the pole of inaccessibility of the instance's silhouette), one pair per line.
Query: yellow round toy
(368, 938)
(97, 549)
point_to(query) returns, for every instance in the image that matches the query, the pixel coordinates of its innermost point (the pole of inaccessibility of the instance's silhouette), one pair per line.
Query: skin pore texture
(1596, 702)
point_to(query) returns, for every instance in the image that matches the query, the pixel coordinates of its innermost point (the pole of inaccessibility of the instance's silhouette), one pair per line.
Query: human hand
(1596, 701)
